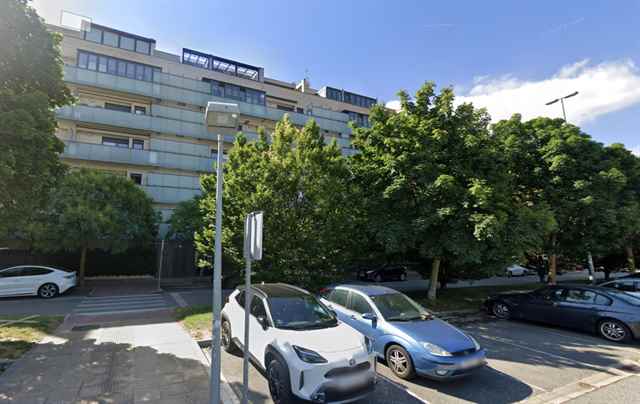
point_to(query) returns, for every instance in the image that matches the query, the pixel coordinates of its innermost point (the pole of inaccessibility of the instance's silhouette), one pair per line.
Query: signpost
(252, 251)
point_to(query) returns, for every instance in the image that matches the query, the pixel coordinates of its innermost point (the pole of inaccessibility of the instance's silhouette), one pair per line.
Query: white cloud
(636, 150)
(394, 105)
(603, 88)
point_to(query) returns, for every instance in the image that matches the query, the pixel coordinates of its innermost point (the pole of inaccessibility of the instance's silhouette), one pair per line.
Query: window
(300, 110)
(112, 66)
(136, 178)
(359, 304)
(122, 68)
(143, 47)
(83, 59)
(102, 64)
(127, 43)
(257, 307)
(32, 271)
(131, 70)
(285, 108)
(93, 62)
(115, 142)
(210, 62)
(139, 72)
(95, 35)
(603, 300)
(137, 144)
(148, 74)
(11, 273)
(627, 285)
(110, 38)
(339, 296)
(240, 298)
(138, 110)
(226, 90)
(580, 296)
(117, 107)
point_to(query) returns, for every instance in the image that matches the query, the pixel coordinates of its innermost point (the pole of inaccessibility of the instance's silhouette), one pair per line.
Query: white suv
(300, 344)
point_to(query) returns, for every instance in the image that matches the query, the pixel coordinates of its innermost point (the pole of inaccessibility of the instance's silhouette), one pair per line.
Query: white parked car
(516, 270)
(300, 344)
(34, 280)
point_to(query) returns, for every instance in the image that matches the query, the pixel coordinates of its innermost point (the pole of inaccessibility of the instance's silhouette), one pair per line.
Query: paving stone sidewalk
(152, 360)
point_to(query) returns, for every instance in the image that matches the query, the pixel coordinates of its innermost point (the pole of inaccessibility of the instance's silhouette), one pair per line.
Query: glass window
(110, 38)
(95, 35)
(117, 107)
(127, 43)
(112, 66)
(83, 60)
(603, 300)
(136, 178)
(580, 296)
(398, 307)
(627, 285)
(300, 312)
(131, 70)
(137, 144)
(359, 304)
(143, 47)
(257, 307)
(115, 142)
(122, 68)
(93, 62)
(102, 64)
(240, 298)
(139, 72)
(138, 110)
(148, 73)
(339, 296)
(11, 272)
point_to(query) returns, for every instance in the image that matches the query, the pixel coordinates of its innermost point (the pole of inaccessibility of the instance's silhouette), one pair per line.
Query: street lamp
(561, 99)
(220, 118)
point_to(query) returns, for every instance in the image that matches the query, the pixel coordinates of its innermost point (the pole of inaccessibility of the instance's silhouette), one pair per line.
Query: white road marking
(121, 304)
(4, 323)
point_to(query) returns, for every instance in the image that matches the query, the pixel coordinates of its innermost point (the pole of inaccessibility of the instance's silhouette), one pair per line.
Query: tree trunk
(81, 271)
(433, 285)
(553, 262)
(631, 259)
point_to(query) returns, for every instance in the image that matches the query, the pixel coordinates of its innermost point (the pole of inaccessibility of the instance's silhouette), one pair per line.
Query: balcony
(99, 152)
(169, 195)
(180, 89)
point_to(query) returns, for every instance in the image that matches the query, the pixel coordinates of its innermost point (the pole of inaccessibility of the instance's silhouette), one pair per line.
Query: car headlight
(368, 342)
(308, 356)
(475, 343)
(435, 350)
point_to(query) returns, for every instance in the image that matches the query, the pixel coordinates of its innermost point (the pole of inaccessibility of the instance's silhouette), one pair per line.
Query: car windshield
(398, 307)
(300, 313)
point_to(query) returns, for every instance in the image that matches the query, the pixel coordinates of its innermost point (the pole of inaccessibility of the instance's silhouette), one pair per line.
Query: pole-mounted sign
(252, 252)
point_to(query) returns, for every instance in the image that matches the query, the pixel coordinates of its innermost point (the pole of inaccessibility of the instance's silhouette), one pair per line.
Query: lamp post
(589, 256)
(220, 118)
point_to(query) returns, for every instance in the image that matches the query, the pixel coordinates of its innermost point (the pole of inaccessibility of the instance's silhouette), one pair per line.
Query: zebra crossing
(96, 306)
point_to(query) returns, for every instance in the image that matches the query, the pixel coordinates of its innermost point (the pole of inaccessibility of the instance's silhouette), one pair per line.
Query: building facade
(139, 110)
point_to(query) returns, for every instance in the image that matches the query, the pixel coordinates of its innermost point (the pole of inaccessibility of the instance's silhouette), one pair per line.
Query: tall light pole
(552, 274)
(220, 118)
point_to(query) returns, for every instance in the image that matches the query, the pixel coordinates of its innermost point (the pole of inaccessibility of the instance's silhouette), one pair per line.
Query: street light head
(221, 116)
(553, 102)
(571, 95)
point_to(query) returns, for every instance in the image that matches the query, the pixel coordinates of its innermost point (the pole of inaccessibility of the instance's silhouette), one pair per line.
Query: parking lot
(527, 362)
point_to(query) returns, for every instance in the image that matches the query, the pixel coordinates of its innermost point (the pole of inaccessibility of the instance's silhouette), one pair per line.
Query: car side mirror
(370, 316)
(262, 320)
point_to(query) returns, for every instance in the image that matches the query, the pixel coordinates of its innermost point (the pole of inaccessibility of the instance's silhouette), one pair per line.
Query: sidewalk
(134, 361)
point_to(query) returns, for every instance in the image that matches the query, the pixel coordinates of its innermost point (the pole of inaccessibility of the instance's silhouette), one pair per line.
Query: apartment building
(139, 110)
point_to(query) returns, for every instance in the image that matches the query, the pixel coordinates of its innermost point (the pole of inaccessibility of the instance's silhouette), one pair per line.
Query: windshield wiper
(412, 318)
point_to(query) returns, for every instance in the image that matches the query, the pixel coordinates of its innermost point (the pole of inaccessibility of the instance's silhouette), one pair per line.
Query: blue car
(410, 339)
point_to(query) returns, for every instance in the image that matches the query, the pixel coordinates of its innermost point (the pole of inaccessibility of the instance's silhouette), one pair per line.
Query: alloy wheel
(613, 331)
(48, 290)
(275, 385)
(226, 338)
(399, 361)
(501, 310)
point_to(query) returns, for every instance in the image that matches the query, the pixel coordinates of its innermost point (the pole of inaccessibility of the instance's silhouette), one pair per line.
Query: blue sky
(508, 56)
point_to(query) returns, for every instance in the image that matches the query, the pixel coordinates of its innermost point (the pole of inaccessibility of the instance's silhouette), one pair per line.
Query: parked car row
(34, 280)
(326, 349)
(385, 273)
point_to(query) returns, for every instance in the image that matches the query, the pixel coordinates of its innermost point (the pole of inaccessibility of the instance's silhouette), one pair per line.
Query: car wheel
(501, 310)
(400, 363)
(614, 330)
(403, 277)
(226, 338)
(509, 274)
(378, 278)
(279, 383)
(48, 290)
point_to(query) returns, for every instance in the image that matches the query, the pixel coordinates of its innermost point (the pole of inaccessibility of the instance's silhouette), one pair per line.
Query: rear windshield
(625, 297)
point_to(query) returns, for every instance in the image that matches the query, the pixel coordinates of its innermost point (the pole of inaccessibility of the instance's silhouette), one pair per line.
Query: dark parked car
(611, 313)
(384, 274)
(635, 275)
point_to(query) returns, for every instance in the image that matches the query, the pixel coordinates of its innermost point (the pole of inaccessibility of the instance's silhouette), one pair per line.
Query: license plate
(471, 363)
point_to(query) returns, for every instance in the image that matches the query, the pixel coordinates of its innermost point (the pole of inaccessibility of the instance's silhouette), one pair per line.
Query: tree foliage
(31, 86)
(186, 220)
(94, 210)
(302, 186)
(437, 187)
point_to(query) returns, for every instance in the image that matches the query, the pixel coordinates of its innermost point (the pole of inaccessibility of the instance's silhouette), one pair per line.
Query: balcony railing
(170, 195)
(180, 89)
(99, 152)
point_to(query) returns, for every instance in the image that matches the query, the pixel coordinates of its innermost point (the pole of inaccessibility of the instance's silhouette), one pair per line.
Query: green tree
(186, 220)
(94, 210)
(436, 188)
(302, 186)
(30, 87)
(558, 166)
